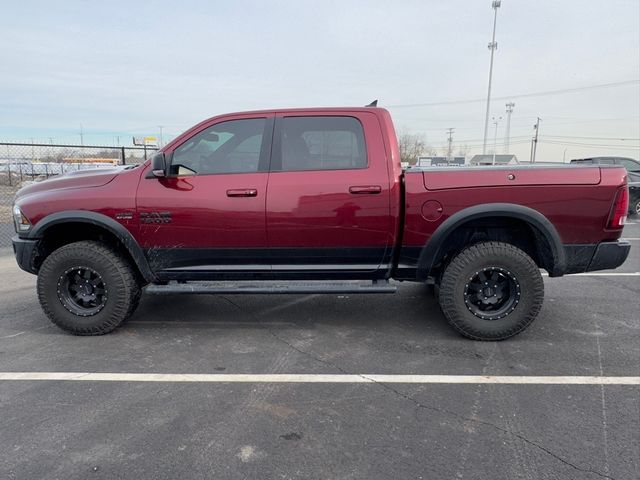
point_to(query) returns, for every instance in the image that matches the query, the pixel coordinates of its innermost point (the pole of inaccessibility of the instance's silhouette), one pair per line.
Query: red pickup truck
(313, 200)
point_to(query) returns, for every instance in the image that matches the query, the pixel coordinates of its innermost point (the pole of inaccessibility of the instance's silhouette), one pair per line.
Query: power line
(594, 138)
(522, 95)
(592, 145)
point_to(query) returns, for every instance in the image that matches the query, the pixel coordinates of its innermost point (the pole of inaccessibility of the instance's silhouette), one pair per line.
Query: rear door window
(321, 143)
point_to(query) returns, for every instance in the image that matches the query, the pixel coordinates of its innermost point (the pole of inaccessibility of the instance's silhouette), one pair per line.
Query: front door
(328, 199)
(208, 215)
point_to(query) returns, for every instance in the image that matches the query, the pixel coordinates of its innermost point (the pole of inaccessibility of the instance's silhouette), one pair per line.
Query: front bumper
(601, 256)
(25, 252)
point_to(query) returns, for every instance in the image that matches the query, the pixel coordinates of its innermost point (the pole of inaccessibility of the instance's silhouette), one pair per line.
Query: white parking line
(603, 274)
(317, 378)
(606, 274)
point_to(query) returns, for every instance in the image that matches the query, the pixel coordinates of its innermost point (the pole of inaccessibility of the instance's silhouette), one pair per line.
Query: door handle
(242, 192)
(365, 189)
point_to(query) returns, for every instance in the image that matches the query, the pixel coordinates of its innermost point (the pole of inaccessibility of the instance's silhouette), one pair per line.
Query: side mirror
(158, 165)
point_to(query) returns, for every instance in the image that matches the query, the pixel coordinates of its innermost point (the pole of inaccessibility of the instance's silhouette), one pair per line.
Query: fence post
(123, 154)
(20, 165)
(9, 166)
(46, 170)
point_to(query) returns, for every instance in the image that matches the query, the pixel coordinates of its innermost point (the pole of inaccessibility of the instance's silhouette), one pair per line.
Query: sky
(118, 68)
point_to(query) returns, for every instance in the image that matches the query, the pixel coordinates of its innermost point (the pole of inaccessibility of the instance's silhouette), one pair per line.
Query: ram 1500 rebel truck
(313, 200)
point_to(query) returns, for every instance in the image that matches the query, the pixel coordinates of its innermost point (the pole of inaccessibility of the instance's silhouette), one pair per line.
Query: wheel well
(62, 234)
(510, 230)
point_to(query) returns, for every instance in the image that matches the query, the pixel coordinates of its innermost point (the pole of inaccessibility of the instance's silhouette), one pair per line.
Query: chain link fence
(24, 163)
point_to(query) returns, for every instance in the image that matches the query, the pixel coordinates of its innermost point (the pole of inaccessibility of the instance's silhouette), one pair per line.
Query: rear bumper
(24, 250)
(609, 255)
(601, 256)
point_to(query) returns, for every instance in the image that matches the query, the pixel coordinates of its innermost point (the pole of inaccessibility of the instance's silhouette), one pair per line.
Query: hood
(95, 177)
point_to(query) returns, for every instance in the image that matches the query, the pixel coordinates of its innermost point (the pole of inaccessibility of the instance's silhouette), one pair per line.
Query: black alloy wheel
(492, 293)
(82, 291)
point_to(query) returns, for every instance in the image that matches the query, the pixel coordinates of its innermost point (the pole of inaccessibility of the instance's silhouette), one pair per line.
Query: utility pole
(161, 143)
(495, 137)
(81, 135)
(492, 46)
(507, 134)
(450, 140)
(534, 142)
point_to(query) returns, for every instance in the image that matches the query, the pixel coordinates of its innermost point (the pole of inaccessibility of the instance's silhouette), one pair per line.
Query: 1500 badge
(155, 217)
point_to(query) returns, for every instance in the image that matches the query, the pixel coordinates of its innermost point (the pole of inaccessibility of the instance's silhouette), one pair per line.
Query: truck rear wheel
(491, 291)
(86, 288)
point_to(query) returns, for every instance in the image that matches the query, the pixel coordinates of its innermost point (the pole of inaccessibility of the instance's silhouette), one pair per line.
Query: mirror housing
(158, 165)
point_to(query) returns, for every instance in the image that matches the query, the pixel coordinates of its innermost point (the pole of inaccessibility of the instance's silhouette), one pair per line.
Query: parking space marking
(604, 274)
(317, 378)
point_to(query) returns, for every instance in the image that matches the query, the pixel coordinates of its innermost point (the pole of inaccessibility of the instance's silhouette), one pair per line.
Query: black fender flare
(432, 251)
(102, 221)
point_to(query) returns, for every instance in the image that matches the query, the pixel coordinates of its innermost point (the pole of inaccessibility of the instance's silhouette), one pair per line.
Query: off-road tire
(505, 259)
(117, 276)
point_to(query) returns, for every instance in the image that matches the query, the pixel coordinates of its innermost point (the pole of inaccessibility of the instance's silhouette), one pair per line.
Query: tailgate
(435, 179)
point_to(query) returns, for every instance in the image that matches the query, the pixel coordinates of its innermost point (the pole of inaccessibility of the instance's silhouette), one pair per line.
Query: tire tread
(123, 305)
(455, 311)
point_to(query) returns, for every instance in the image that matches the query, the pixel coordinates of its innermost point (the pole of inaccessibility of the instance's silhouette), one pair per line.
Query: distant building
(491, 159)
(432, 161)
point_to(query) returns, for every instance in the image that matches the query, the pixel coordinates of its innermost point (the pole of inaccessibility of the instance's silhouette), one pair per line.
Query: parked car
(314, 200)
(633, 169)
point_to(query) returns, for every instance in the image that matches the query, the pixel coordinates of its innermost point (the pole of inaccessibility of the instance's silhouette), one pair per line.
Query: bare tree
(412, 146)
(463, 150)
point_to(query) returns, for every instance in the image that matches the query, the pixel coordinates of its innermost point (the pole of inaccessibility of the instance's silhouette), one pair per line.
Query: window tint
(630, 165)
(605, 161)
(322, 143)
(227, 147)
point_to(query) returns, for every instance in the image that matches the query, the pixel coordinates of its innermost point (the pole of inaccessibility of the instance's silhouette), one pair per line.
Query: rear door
(328, 199)
(206, 219)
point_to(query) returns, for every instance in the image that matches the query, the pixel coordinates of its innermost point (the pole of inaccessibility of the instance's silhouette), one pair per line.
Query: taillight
(620, 207)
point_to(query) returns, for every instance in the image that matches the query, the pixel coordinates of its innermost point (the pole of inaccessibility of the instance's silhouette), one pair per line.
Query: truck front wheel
(491, 291)
(87, 288)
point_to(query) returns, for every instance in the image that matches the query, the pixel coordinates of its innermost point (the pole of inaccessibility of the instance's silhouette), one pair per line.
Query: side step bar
(265, 287)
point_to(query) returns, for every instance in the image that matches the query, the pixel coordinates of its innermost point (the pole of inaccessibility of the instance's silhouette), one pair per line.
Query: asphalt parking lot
(265, 429)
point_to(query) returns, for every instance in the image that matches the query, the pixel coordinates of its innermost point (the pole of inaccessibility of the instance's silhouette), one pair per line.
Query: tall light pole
(507, 134)
(534, 141)
(492, 46)
(495, 121)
